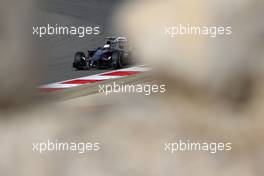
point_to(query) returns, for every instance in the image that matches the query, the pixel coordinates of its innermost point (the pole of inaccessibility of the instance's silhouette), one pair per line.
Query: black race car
(114, 54)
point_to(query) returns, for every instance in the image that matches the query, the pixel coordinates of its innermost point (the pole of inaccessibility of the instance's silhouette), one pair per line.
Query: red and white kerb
(53, 87)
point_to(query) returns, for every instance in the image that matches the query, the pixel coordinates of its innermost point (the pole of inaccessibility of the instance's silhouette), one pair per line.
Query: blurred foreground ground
(214, 93)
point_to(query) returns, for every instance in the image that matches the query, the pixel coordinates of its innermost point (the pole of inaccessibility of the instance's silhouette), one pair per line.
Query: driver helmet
(106, 46)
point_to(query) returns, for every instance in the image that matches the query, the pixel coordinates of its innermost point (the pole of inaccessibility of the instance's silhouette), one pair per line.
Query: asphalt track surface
(57, 51)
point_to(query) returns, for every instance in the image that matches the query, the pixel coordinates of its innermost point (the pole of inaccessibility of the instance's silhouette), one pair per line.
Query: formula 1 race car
(114, 54)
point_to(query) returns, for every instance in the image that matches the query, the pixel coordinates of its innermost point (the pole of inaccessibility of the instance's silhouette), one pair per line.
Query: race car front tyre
(79, 61)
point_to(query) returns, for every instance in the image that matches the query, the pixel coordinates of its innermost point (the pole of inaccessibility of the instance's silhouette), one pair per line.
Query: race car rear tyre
(79, 61)
(117, 60)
